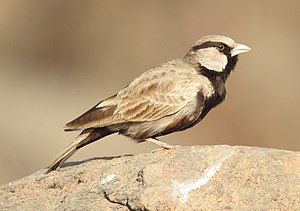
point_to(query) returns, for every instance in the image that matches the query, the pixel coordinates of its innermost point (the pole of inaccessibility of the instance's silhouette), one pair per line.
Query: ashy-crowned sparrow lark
(171, 97)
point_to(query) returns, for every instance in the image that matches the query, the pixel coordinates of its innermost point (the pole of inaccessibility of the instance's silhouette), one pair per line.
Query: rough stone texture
(184, 178)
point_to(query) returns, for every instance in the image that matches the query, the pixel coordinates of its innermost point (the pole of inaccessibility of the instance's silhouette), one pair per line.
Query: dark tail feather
(86, 137)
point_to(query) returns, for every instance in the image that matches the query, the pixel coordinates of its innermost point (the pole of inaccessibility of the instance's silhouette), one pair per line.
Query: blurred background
(59, 58)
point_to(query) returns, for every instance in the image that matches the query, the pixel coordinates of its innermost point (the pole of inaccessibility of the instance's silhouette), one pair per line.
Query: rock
(183, 178)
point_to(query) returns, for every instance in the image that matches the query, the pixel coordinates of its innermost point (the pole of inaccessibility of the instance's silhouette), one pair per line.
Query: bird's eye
(221, 47)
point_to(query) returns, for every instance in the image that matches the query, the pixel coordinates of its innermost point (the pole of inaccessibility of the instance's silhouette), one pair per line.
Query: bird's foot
(161, 144)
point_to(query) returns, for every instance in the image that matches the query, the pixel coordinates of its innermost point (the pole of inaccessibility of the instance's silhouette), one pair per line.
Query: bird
(170, 97)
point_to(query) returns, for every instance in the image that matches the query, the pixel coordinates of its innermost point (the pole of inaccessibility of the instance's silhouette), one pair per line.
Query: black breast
(218, 82)
(213, 101)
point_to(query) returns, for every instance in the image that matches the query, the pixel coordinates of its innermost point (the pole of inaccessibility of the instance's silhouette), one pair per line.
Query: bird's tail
(86, 137)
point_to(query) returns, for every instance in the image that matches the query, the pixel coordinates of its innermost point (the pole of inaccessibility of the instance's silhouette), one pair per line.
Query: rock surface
(183, 178)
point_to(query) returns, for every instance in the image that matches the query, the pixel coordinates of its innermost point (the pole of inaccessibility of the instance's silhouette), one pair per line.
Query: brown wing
(159, 92)
(93, 117)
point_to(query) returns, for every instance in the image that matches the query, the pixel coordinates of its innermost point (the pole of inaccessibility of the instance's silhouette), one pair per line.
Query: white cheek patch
(212, 59)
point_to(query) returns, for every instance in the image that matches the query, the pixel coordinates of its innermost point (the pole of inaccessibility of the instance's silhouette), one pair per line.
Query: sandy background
(59, 58)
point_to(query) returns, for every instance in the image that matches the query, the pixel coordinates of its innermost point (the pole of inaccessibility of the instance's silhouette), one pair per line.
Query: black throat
(216, 76)
(218, 81)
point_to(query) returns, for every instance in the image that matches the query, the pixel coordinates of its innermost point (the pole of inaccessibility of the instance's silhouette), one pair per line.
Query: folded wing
(157, 93)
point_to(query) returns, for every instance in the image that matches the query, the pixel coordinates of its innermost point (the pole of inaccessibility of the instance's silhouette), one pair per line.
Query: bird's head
(215, 53)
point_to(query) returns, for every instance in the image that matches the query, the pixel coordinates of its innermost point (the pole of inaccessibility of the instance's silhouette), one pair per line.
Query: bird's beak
(239, 48)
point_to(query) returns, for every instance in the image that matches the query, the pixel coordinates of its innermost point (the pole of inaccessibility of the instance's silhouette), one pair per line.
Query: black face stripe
(210, 44)
(213, 75)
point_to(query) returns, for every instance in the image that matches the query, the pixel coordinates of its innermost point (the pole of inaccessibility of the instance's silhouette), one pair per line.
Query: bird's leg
(160, 143)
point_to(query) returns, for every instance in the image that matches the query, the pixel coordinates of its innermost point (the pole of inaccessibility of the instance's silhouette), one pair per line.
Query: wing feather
(100, 114)
(157, 93)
